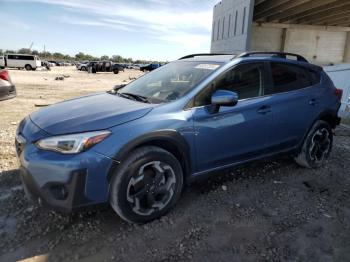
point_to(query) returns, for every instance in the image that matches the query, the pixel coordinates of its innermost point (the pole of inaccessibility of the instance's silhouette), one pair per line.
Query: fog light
(59, 192)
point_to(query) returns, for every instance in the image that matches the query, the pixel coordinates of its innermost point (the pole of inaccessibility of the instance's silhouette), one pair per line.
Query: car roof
(224, 58)
(251, 56)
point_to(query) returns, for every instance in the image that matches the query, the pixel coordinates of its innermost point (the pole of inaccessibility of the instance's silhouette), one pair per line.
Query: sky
(141, 29)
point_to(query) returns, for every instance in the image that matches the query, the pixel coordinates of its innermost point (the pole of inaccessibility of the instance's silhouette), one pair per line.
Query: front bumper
(64, 197)
(61, 182)
(7, 92)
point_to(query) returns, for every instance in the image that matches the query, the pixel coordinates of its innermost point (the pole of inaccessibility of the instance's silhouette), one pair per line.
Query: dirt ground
(266, 211)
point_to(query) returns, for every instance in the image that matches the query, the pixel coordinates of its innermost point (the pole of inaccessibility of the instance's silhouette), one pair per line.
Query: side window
(305, 79)
(287, 77)
(315, 77)
(246, 80)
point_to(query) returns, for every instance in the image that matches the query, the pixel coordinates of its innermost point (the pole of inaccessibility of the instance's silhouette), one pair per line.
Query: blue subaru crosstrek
(136, 146)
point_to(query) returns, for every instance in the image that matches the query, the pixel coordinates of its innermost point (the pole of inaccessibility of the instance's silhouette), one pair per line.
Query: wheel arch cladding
(169, 140)
(330, 117)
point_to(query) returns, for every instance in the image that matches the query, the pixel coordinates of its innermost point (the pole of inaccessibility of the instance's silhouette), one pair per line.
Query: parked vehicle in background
(137, 145)
(2, 62)
(53, 63)
(89, 66)
(46, 64)
(116, 68)
(84, 66)
(149, 67)
(127, 66)
(135, 66)
(7, 88)
(79, 65)
(104, 66)
(29, 62)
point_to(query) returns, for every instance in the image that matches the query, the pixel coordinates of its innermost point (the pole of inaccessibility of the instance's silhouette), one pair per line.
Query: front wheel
(317, 146)
(146, 185)
(28, 67)
(115, 71)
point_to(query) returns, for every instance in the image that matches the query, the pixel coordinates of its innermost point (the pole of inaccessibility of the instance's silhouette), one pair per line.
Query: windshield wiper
(135, 97)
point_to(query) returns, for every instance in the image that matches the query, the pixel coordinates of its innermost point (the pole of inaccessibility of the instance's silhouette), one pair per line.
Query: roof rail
(202, 54)
(277, 54)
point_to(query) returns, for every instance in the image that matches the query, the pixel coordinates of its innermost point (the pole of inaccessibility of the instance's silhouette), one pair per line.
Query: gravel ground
(265, 211)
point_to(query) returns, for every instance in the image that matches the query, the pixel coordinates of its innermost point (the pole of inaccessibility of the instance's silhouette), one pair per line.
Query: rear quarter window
(315, 77)
(287, 77)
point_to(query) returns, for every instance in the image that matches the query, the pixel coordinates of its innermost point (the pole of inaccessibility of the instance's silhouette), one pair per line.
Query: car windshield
(168, 83)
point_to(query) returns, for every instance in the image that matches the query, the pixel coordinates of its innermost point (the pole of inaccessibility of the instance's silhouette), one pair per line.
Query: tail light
(338, 93)
(5, 75)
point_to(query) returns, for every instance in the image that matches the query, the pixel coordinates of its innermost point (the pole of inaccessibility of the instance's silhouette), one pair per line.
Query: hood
(89, 113)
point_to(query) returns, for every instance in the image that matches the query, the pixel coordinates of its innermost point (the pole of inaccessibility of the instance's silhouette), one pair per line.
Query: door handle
(312, 102)
(264, 110)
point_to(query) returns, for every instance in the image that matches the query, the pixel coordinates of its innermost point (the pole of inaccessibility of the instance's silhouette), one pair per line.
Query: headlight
(72, 144)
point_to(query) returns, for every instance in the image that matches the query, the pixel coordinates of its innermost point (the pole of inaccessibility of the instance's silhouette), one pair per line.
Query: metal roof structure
(306, 12)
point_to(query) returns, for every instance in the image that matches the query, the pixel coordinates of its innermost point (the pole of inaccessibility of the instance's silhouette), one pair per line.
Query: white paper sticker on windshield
(207, 66)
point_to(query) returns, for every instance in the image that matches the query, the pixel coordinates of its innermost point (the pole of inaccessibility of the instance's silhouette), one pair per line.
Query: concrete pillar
(347, 48)
(283, 41)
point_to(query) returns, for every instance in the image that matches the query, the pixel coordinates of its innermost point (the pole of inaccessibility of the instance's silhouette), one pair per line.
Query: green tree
(46, 55)
(24, 51)
(80, 56)
(117, 59)
(105, 57)
(58, 56)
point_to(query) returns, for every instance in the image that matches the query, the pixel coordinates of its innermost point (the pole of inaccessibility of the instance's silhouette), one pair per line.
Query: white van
(29, 62)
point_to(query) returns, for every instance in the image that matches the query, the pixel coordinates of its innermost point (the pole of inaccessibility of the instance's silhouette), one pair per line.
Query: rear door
(295, 103)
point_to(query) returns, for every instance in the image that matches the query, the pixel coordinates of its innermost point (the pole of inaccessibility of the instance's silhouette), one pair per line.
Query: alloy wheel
(320, 145)
(152, 188)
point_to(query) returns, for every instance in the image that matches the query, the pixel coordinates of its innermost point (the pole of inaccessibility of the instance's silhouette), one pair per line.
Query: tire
(136, 171)
(317, 146)
(116, 71)
(83, 68)
(28, 67)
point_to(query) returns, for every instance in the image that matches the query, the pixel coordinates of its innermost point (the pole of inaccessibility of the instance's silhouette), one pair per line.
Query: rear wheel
(28, 67)
(146, 185)
(317, 146)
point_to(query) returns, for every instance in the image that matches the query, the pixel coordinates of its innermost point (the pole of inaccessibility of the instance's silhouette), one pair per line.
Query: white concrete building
(316, 29)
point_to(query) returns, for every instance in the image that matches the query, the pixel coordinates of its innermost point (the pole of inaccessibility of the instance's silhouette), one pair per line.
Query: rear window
(288, 77)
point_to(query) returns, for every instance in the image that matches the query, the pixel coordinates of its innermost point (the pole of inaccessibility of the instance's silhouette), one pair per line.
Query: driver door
(238, 133)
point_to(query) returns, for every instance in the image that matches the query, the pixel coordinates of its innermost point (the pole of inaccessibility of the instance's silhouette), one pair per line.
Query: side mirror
(224, 98)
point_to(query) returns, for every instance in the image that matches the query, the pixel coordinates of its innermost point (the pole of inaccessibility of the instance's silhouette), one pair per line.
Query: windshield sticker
(207, 66)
